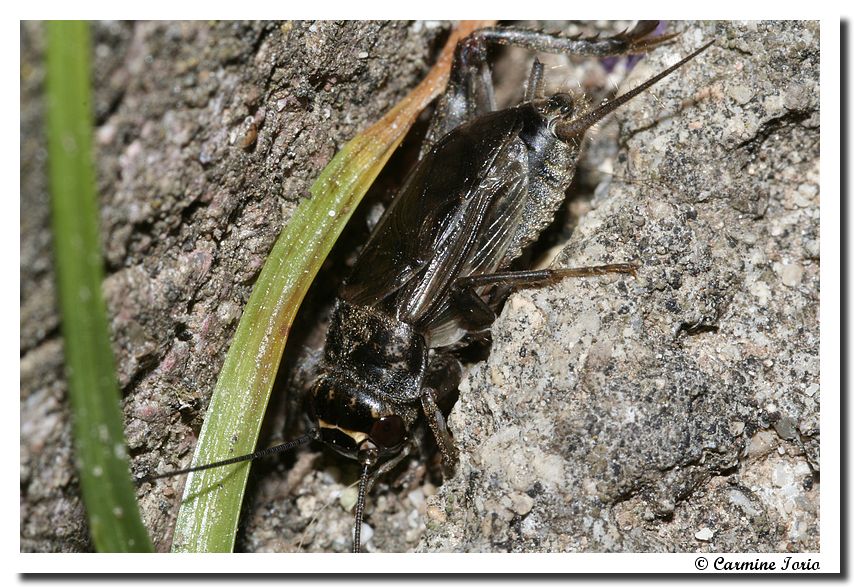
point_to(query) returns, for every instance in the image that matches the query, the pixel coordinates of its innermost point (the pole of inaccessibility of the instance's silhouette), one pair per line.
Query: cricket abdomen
(551, 167)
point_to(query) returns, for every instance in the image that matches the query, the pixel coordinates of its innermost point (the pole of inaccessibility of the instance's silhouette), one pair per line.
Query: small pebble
(786, 428)
(367, 534)
(436, 514)
(792, 274)
(348, 498)
(521, 503)
(416, 497)
(740, 94)
(780, 476)
(705, 534)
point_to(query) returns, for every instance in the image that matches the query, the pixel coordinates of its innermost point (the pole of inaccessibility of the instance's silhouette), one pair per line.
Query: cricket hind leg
(469, 94)
(477, 314)
(639, 39)
(527, 278)
(470, 91)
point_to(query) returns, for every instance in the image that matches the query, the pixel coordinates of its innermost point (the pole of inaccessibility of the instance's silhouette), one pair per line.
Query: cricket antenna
(368, 454)
(250, 457)
(574, 129)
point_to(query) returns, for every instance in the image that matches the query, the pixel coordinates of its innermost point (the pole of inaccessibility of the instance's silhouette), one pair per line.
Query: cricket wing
(430, 231)
(503, 203)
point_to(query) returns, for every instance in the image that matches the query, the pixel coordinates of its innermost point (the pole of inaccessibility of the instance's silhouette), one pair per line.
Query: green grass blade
(108, 492)
(207, 521)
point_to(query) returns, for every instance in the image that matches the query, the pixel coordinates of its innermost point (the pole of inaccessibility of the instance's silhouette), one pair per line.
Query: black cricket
(438, 264)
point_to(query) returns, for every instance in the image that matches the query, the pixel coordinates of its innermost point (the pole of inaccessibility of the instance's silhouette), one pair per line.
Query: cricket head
(360, 424)
(355, 422)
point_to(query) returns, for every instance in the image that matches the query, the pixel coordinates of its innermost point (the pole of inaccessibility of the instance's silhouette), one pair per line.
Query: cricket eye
(388, 431)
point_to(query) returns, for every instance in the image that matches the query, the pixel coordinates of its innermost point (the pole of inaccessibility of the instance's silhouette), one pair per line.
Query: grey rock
(612, 400)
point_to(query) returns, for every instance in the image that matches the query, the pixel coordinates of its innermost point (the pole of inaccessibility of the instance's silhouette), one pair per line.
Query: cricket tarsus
(265, 452)
(535, 81)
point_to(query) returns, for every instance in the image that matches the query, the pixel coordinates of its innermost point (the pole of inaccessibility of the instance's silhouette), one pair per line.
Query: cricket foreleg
(436, 422)
(443, 376)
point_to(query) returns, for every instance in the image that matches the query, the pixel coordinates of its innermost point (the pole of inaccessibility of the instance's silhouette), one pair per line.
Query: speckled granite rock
(677, 411)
